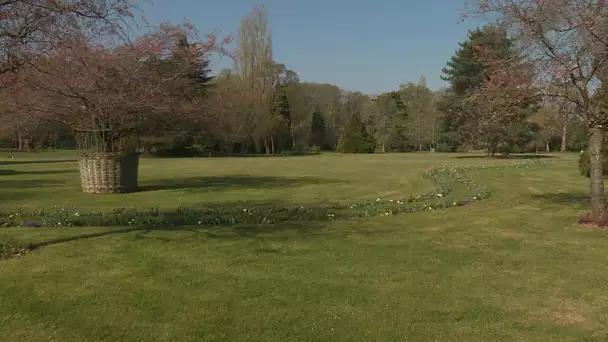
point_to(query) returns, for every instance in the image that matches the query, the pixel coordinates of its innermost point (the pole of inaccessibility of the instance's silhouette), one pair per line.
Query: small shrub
(314, 149)
(583, 163)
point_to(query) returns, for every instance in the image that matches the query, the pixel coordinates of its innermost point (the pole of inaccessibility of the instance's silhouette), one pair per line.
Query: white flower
(439, 195)
(245, 210)
(199, 222)
(474, 197)
(378, 199)
(454, 203)
(430, 208)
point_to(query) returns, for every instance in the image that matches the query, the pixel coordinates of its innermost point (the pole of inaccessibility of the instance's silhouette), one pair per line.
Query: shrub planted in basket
(110, 95)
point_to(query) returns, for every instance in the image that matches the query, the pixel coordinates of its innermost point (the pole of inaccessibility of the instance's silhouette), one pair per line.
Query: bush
(583, 163)
(443, 147)
(314, 149)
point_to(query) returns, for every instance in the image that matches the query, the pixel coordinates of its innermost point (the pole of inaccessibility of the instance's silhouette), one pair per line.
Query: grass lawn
(515, 266)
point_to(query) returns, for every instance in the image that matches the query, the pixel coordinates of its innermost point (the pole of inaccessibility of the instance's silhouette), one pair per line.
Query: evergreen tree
(196, 80)
(317, 129)
(199, 73)
(399, 127)
(282, 114)
(354, 138)
(465, 73)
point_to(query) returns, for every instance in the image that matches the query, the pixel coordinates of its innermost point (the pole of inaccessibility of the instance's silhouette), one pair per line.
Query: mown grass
(515, 266)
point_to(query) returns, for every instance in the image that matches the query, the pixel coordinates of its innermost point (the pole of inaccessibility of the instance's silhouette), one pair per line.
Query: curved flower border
(447, 178)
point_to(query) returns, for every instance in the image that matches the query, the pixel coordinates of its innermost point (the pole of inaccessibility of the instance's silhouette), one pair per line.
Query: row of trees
(531, 81)
(260, 106)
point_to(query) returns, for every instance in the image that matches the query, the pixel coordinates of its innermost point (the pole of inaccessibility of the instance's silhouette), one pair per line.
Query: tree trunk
(596, 179)
(383, 148)
(564, 137)
(272, 144)
(547, 147)
(19, 141)
(266, 146)
(434, 127)
(257, 145)
(293, 137)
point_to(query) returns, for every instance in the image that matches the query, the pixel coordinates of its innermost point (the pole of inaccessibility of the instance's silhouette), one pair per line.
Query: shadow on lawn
(284, 228)
(43, 161)
(275, 232)
(6, 184)
(573, 200)
(40, 172)
(213, 183)
(512, 156)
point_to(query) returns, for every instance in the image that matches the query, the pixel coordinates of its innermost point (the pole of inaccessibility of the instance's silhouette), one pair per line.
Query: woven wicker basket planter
(108, 173)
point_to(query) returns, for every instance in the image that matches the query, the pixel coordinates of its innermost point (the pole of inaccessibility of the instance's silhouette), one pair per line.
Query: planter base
(108, 173)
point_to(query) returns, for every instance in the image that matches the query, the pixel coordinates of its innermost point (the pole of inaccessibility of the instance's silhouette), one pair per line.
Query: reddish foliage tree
(32, 28)
(124, 89)
(566, 45)
(232, 116)
(508, 89)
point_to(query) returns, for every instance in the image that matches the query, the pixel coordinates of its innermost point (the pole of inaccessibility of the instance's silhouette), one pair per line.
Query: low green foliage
(314, 149)
(446, 178)
(10, 248)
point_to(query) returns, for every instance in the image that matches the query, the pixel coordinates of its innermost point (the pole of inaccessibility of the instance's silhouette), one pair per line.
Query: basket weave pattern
(108, 173)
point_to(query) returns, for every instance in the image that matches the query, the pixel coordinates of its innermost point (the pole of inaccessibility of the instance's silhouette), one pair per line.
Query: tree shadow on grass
(40, 172)
(573, 200)
(285, 227)
(7, 184)
(42, 161)
(512, 156)
(271, 232)
(216, 183)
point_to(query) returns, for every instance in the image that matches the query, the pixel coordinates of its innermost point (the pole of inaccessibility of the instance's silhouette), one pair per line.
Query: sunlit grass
(515, 266)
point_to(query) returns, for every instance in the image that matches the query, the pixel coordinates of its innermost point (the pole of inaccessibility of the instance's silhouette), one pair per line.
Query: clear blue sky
(367, 45)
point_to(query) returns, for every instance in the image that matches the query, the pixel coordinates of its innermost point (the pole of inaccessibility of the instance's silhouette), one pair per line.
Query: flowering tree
(504, 99)
(31, 28)
(109, 92)
(566, 45)
(125, 89)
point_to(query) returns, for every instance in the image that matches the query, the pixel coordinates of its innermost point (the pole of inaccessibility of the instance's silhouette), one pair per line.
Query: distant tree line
(260, 106)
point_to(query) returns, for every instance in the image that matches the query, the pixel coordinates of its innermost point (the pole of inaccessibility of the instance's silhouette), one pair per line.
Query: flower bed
(446, 178)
